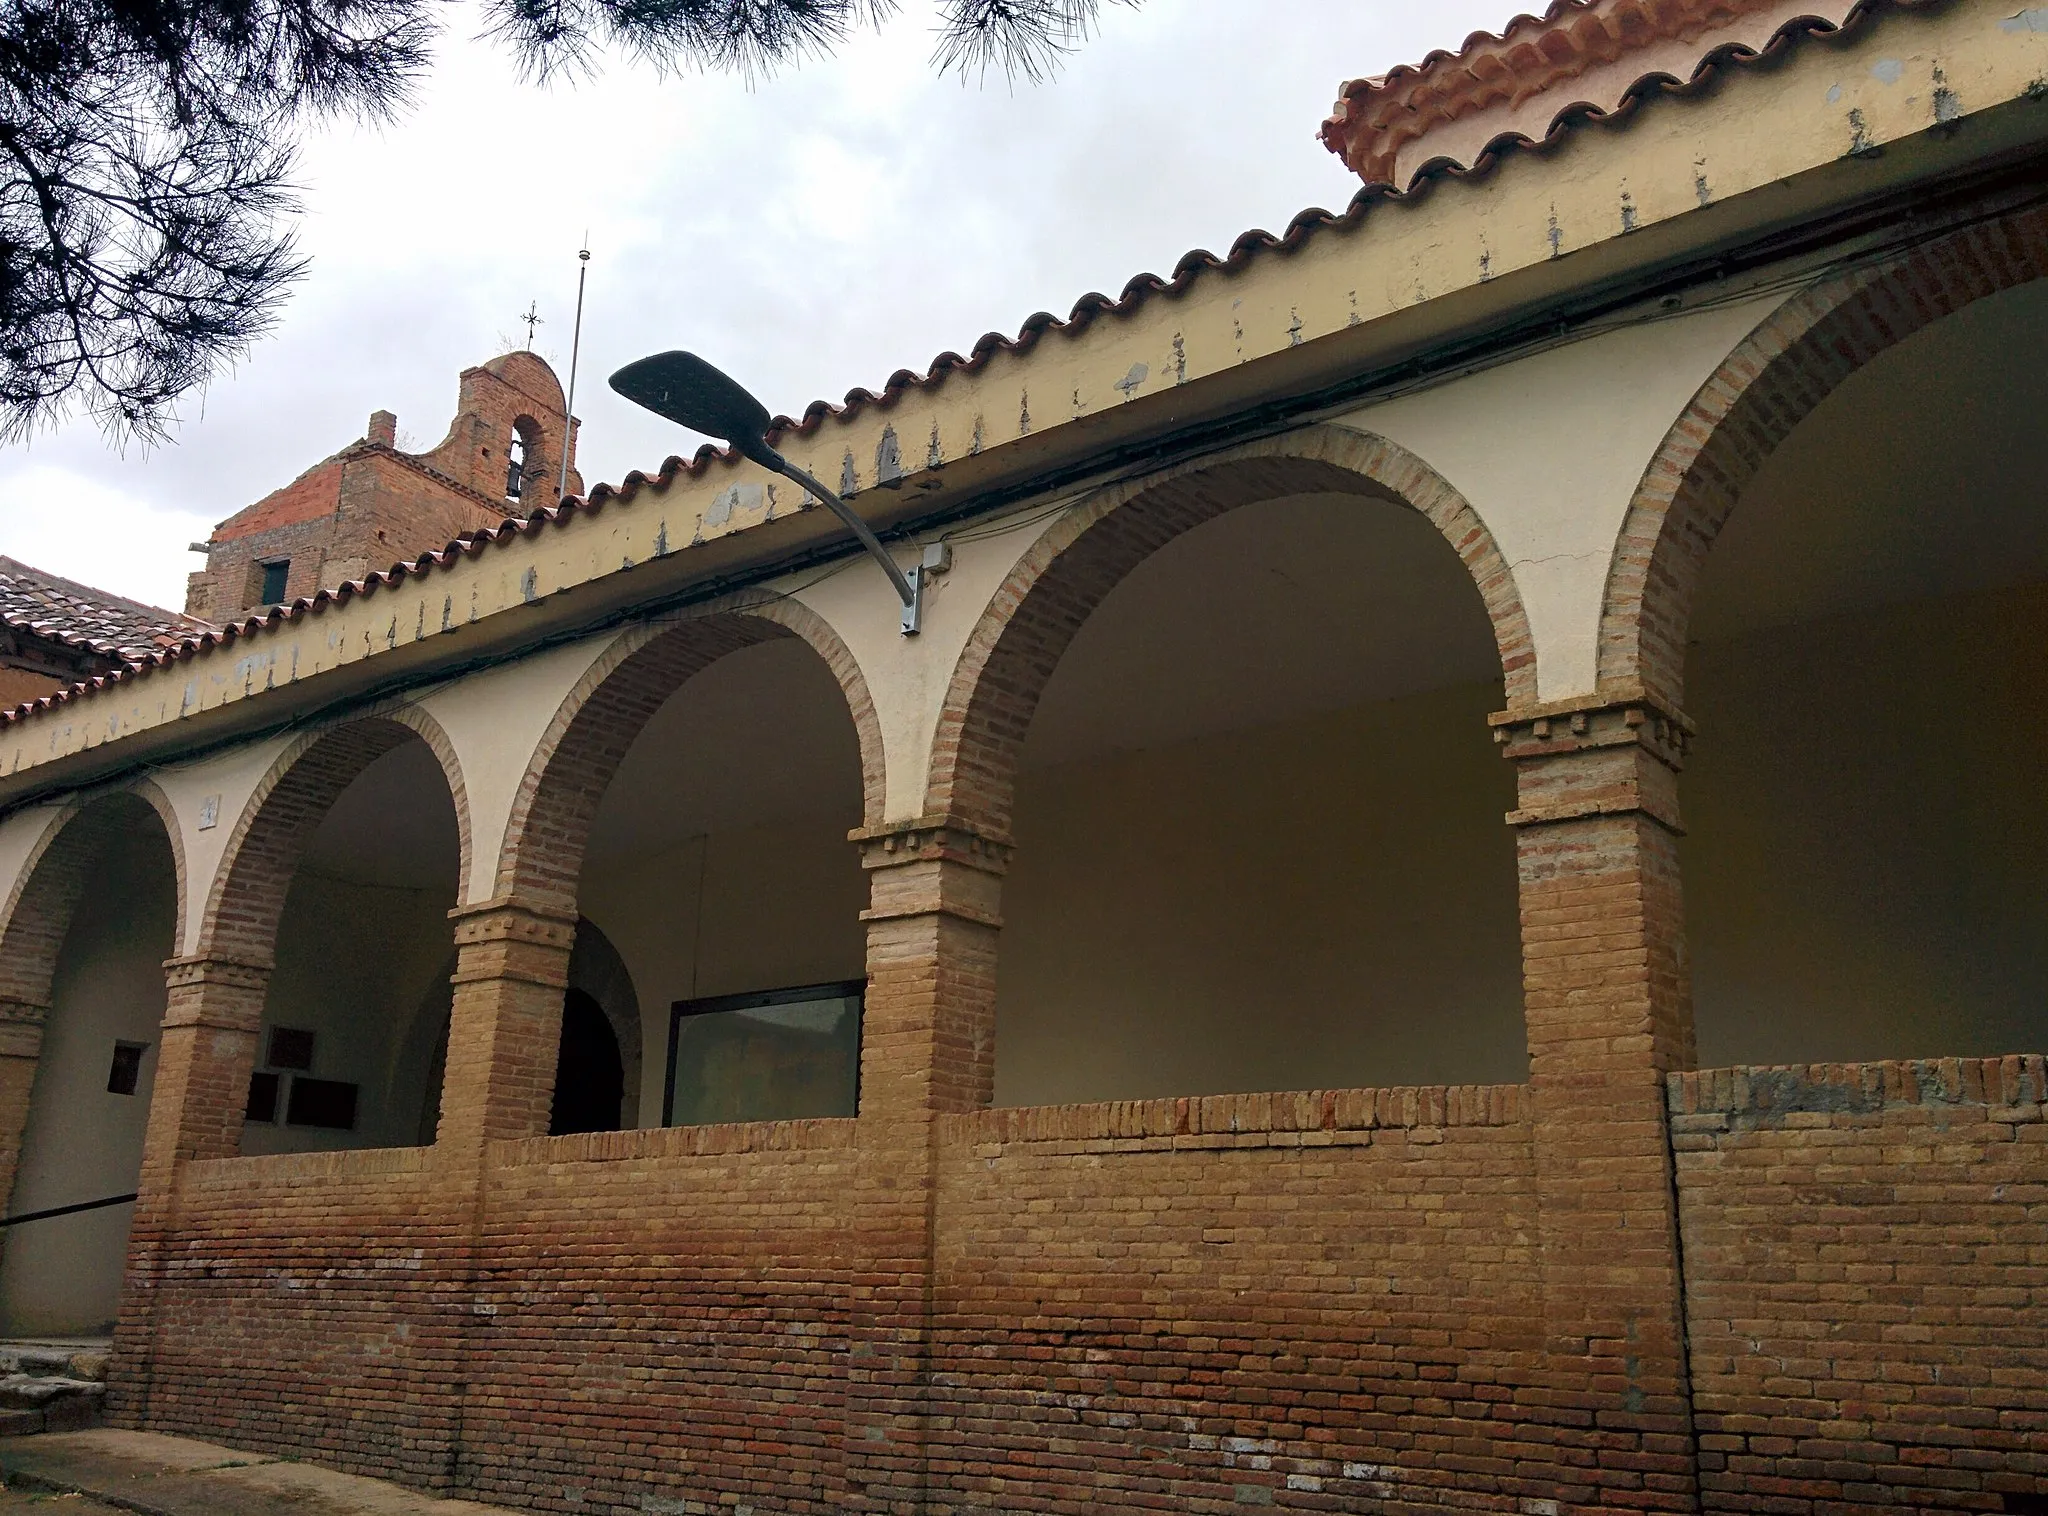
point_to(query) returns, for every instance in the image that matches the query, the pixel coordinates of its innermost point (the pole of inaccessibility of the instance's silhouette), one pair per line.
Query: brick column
(511, 971)
(1609, 1014)
(927, 1048)
(213, 1012)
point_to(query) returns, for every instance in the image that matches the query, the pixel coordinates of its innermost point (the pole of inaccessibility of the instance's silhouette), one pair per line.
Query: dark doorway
(590, 1077)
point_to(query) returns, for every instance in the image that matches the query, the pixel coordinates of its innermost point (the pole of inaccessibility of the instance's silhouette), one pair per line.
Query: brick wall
(1866, 1263)
(1322, 1301)
(661, 1319)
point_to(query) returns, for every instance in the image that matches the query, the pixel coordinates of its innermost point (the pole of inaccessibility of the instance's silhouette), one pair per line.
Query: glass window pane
(773, 1057)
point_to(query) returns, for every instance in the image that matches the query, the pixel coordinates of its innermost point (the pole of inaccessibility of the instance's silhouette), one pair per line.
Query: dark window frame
(126, 1071)
(265, 567)
(832, 989)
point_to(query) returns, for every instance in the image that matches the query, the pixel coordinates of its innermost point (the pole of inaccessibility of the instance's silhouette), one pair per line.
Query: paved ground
(101, 1472)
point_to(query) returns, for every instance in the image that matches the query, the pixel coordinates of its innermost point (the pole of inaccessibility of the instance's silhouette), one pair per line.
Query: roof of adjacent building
(79, 616)
(1538, 74)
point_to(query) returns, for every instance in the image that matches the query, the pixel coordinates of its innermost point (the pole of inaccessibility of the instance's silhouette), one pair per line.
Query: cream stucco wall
(727, 913)
(1549, 451)
(1867, 829)
(1325, 903)
(82, 1143)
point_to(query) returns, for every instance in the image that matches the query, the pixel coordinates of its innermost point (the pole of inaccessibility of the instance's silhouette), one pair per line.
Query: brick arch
(1066, 574)
(287, 807)
(601, 717)
(1771, 382)
(39, 909)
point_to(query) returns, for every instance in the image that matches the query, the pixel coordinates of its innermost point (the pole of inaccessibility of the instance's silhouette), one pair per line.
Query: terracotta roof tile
(1581, 59)
(1145, 287)
(79, 616)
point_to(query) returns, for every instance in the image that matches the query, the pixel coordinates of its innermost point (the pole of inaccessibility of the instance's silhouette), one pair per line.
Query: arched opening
(590, 1076)
(346, 1055)
(1865, 808)
(716, 863)
(1258, 813)
(107, 892)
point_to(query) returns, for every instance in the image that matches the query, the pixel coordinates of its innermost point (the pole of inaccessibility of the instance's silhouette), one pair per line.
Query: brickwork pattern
(1766, 387)
(1864, 1255)
(1313, 1302)
(1040, 607)
(662, 1321)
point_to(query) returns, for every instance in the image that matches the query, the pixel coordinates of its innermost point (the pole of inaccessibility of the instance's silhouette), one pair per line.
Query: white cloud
(812, 233)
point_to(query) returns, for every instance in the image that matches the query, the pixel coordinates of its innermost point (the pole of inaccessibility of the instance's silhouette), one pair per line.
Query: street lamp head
(690, 392)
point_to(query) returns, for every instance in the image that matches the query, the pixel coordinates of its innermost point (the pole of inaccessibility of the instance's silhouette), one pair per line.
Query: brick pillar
(511, 970)
(213, 1013)
(1609, 1014)
(927, 1048)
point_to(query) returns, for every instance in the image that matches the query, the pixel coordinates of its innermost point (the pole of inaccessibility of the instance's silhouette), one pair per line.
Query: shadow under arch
(599, 720)
(1040, 607)
(246, 902)
(1772, 380)
(66, 1136)
(39, 909)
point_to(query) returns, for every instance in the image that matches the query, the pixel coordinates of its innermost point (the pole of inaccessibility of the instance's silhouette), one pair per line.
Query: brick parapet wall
(1863, 1248)
(1318, 1301)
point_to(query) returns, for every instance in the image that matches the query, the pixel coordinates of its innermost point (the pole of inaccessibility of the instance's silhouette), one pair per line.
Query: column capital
(214, 968)
(505, 919)
(934, 839)
(1613, 718)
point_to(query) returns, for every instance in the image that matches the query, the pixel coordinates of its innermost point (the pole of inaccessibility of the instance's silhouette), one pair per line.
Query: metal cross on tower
(532, 318)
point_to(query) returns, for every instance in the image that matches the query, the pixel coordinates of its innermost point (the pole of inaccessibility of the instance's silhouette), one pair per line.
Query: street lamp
(688, 391)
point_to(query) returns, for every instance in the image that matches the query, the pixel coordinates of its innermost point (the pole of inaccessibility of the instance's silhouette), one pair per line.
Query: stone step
(51, 1386)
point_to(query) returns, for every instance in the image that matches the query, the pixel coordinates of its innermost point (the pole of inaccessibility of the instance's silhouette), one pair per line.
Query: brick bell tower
(372, 505)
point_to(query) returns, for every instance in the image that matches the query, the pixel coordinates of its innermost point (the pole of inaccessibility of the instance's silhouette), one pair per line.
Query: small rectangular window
(126, 1071)
(290, 1048)
(327, 1103)
(262, 1097)
(776, 1056)
(275, 577)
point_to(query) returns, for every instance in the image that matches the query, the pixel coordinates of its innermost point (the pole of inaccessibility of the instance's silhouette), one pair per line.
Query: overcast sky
(810, 234)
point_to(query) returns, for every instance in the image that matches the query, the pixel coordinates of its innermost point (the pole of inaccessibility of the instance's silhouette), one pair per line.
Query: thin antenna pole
(575, 351)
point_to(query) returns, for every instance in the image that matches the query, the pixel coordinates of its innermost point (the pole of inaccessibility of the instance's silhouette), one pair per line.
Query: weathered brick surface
(1866, 1264)
(661, 1318)
(298, 1312)
(1320, 1302)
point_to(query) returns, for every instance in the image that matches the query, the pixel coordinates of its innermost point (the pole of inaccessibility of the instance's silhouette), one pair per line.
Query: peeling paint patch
(1702, 191)
(1948, 105)
(1834, 94)
(2034, 19)
(1024, 413)
(1485, 273)
(529, 586)
(931, 452)
(1888, 71)
(974, 447)
(1629, 220)
(1556, 235)
(1860, 143)
(849, 476)
(1180, 359)
(1134, 380)
(661, 540)
(888, 457)
(1293, 327)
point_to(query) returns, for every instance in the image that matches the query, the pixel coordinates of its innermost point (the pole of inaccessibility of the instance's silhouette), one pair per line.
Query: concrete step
(51, 1385)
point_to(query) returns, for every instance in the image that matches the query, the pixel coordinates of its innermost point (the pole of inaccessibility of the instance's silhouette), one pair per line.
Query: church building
(1442, 908)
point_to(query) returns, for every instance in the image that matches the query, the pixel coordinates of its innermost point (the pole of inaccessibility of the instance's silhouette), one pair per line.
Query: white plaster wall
(494, 719)
(82, 1143)
(20, 834)
(1549, 450)
(232, 775)
(908, 676)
